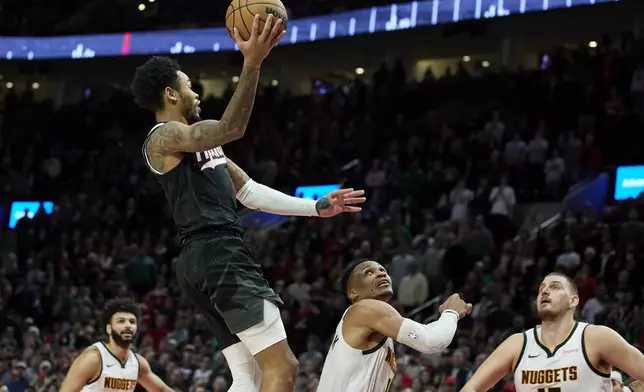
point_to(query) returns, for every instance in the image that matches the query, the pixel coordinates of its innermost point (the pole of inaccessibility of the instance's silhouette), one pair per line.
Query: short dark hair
(571, 283)
(120, 305)
(151, 78)
(346, 275)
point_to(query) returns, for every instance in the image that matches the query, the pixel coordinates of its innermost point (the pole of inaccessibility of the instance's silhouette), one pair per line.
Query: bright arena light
(274, 82)
(9, 85)
(235, 79)
(466, 59)
(592, 44)
(485, 64)
(141, 7)
(359, 70)
(35, 85)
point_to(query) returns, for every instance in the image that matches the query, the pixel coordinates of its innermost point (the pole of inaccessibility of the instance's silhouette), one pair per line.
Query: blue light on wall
(315, 192)
(29, 208)
(365, 21)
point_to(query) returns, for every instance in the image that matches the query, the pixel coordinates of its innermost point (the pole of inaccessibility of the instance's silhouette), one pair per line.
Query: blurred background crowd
(457, 167)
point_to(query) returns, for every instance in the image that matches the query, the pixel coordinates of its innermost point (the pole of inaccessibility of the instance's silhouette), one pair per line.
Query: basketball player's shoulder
(600, 335)
(515, 343)
(369, 308)
(513, 348)
(90, 356)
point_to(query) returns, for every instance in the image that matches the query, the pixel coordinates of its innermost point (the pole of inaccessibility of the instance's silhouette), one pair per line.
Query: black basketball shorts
(222, 278)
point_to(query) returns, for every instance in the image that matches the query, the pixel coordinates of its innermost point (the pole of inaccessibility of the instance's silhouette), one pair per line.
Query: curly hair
(119, 305)
(151, 78)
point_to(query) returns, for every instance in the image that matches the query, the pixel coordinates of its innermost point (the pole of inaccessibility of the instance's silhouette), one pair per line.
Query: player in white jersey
(561, 354)
(361, 357)
(112, 366)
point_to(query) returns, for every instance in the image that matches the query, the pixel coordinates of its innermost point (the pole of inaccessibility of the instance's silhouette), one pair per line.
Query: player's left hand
(342, 200)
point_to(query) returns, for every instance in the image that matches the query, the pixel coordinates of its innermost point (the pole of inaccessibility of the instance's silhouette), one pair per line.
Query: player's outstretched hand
(259, 45)
(342, 200)
(455, 303)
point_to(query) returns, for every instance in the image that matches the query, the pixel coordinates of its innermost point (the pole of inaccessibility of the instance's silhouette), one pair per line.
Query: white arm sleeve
(431, 338)
(260, 197)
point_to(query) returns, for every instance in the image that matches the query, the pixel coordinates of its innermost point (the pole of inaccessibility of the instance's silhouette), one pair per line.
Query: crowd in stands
(445, 162)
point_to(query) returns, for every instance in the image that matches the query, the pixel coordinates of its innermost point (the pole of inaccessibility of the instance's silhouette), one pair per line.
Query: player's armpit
(616, 351)
(497, 365)
(85, 369)
(150, 381)
(239, 176)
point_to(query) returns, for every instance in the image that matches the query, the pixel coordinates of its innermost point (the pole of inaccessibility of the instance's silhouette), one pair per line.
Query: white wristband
(260, 197)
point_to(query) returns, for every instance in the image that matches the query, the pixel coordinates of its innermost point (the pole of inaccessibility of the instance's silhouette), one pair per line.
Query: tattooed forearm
(176, 137)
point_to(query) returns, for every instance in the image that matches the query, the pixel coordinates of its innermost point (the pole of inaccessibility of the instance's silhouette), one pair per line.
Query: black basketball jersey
(200, 192)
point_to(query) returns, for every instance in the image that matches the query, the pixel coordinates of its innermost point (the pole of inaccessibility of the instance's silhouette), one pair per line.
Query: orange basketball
(240, 14)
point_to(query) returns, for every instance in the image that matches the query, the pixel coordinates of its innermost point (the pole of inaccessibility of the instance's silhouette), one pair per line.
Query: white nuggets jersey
(116, 376)
(566, 369)
(349, 370)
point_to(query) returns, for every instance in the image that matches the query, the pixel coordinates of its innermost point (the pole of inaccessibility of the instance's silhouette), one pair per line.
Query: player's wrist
(251, 62)
(450, 313)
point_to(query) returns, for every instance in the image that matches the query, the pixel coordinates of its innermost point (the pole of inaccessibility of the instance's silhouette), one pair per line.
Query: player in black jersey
(216, 269)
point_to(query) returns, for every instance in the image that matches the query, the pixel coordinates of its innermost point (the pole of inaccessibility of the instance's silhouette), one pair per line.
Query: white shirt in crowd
(554, 169)
(568, 260)
(591, 309)
(460, 200)
(503, 200)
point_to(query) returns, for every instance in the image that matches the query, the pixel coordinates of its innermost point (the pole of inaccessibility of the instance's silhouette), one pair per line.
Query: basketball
(240, 14)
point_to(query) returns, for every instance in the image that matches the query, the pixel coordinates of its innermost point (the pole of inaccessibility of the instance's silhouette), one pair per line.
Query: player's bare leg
(279, 368)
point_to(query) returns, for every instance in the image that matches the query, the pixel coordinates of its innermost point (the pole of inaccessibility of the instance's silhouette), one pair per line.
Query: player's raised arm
(616, 351)
(150, 381)
(496, 366)
(431, 338)
(176, 137)
(85, 369)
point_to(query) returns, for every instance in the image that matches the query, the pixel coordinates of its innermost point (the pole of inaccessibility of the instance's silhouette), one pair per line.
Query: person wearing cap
(361, 357)
(618, 382)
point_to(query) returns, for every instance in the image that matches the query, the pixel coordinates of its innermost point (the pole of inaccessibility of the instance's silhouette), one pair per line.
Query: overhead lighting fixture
(35, 85)
(274, 83)
(235, 79)
(466, 59)
(141, 7)
(9, 85)
(485, 64)
(592, 44)
(359, 71)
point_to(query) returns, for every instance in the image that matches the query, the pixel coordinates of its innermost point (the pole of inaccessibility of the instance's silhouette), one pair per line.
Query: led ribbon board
(365, 21)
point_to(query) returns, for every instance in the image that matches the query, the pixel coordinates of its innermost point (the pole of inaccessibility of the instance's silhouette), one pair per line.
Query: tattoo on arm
(239, 176)
(176, 137)
(322, 204)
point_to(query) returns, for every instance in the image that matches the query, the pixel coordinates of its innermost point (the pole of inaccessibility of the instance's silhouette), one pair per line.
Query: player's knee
(286, 368)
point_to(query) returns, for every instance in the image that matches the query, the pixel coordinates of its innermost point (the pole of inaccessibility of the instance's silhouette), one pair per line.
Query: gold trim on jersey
(100, 373)
(523, 346)
(585, 354)
(549, 353)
